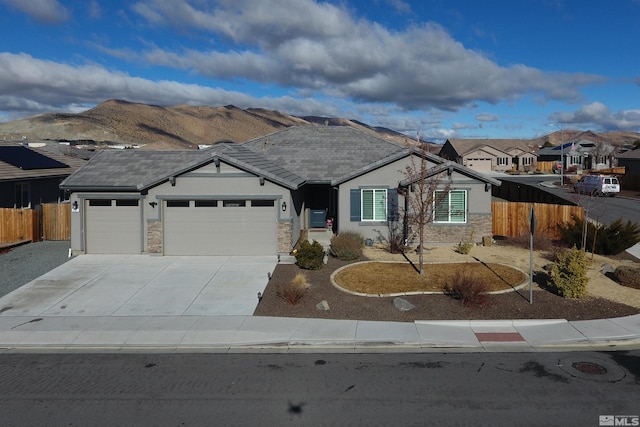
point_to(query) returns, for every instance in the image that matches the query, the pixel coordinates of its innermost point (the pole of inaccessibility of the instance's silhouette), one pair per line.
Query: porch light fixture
(487, 187)
(284, 206)
(74, 206)
(172, 181)
(153, 204)
(261, 180)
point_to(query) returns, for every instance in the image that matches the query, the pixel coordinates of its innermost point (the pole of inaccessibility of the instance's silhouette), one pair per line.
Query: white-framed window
(574, 160)
(527, 161)
(450, 207)
(374, 204)
(502, 161)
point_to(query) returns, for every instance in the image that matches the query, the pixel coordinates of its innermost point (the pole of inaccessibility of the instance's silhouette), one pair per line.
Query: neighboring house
(582, 154)
(631, 162)
(31, 176)
(260, 197)
(486, 155)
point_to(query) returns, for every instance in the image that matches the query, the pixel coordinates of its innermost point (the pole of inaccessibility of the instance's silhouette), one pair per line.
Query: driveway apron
(142, 285)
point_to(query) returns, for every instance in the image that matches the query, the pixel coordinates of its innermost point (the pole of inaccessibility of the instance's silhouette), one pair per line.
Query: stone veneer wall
(285, 233)
(154, 237)
(479, 225)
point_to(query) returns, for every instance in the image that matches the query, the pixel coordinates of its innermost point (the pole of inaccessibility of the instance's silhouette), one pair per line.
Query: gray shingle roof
(135, 170)
(290, 157)
(131, 170)
(464, 146)
(326, 154)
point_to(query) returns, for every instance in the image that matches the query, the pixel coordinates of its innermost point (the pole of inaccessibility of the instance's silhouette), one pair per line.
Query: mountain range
(118, 122)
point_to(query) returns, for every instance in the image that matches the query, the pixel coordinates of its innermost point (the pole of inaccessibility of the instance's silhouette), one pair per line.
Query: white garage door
(480, 165)
(220, 227)
(113, 226)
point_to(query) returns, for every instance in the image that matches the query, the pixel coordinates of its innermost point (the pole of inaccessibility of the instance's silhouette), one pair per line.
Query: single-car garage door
(113, 226)
(220, 227)
(480, 165)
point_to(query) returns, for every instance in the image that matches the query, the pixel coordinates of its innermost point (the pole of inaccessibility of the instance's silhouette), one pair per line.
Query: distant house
(486, 155)
(31, 176)
(631, 161)
(579, 155)
(263, 196)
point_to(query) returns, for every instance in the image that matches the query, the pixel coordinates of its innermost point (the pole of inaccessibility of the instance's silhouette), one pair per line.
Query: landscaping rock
(323, 305)
(402, 304)
(606, 269)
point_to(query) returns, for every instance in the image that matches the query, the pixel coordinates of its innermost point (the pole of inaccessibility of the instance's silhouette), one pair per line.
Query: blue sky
(443, 68)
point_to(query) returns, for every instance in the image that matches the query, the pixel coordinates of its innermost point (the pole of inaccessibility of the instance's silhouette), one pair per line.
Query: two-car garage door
(220, 227)
(190, 227)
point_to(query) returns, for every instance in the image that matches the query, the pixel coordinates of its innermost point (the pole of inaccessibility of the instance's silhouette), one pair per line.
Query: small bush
(628, 276)
(292, 293)
(310, 255)
(353, 235)
(569, 274)
(347, 246)
(470, 291)
(301, 281)
(541, 241)
(465, 245)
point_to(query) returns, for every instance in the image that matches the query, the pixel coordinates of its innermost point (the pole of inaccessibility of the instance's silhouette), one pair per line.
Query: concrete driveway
(142, 285)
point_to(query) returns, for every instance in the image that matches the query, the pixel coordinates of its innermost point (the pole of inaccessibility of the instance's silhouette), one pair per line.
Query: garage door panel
(113, 229)
(242, 230)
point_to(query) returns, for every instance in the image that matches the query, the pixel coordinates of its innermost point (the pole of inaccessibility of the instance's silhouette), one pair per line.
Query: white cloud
(487, 117)
(46, 11)
(322, 47)
(598, 115)
(29, 85)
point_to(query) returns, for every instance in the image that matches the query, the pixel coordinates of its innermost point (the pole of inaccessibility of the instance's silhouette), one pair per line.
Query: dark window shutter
(355, 205)
(392, 204)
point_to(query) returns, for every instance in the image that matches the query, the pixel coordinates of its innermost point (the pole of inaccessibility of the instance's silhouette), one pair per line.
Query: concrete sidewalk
(270, 334)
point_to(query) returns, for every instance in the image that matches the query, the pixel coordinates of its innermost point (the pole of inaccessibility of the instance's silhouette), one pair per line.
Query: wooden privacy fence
(19, 225)
(511, 219)
(52, 221)
(56, 221)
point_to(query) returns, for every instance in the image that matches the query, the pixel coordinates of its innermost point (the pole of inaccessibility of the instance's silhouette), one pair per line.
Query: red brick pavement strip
(499, 336)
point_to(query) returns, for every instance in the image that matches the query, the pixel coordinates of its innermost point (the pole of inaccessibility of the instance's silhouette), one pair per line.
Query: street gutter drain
(589, 368)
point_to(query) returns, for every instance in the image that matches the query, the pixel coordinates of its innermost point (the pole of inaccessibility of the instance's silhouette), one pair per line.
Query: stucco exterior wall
(478, 205)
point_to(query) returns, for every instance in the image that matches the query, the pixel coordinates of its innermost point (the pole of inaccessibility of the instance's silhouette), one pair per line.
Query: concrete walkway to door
(142, 285)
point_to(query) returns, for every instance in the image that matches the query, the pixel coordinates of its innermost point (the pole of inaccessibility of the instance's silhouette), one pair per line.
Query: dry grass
(386, 278)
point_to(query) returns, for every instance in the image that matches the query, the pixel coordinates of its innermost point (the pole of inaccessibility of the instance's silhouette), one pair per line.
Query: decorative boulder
(323, 305)
(402, 304)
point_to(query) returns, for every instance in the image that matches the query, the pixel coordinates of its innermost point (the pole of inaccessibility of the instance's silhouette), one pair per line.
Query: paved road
(318, 389)
(602, 209)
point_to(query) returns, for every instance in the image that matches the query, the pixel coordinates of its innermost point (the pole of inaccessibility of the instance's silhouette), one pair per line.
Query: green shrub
(569, 274)
(346, 246)
(610, 239)
(465, 245)
(310, 256)
(470, 291)
(628, 275)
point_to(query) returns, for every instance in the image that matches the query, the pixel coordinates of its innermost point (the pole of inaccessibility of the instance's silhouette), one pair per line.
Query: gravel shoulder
(21, 264)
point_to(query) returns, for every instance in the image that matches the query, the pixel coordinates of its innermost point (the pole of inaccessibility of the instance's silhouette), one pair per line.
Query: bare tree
(424, 188)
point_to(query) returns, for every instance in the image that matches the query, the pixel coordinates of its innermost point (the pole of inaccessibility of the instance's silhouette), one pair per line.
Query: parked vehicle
(597, 185)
